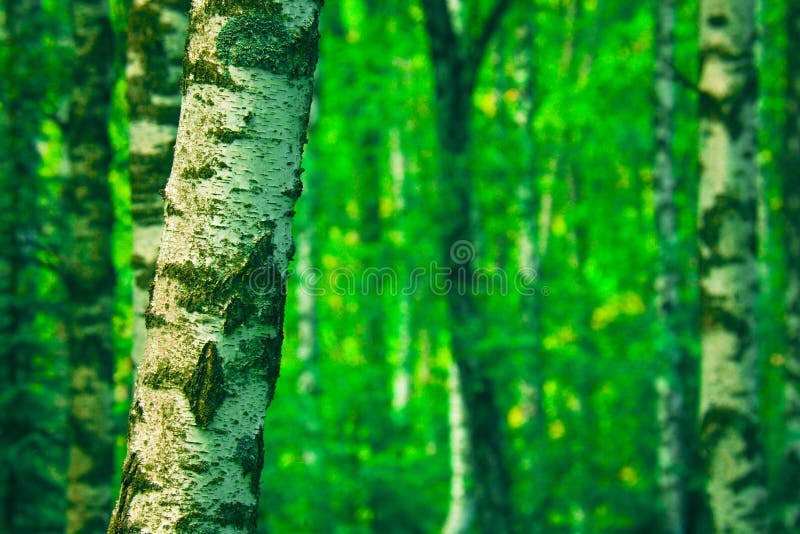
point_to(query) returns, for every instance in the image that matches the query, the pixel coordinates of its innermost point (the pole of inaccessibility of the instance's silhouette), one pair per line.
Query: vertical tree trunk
(727, 230)
(791, 201)
(156, 39)
(309, 383)
(462, 506)
(402, 379)
(672, 454)
(88, 272)
(532, 247)
(215, 320)
(455, 63)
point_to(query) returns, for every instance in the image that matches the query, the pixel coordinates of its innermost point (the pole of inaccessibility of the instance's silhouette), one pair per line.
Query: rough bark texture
(88, 272)
(456, 61)
(727, 230)
(672, 454)
(156, 39)
(215, 320)
(791, 200)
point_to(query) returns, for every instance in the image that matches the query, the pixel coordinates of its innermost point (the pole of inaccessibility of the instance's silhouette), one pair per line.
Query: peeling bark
(728, 281)
(215, 319)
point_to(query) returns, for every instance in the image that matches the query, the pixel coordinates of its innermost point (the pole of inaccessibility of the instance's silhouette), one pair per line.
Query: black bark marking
(237, 514)
(134, 482)
(205, 389)
(250, 454)
(244, 290)
(717, 20)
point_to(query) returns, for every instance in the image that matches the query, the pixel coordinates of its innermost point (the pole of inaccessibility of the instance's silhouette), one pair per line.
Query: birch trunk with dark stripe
(215, 320)
(672, 457)
(728, 279)
(456, 60)
(156, 39)
(88, 271)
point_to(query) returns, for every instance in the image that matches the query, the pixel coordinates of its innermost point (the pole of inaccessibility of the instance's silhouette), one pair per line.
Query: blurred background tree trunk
(456, 59)
(156, 40)
(673, 465)
(88, 272)
(728, 280)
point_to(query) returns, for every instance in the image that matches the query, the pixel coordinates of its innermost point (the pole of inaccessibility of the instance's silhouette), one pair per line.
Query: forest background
(577, 352)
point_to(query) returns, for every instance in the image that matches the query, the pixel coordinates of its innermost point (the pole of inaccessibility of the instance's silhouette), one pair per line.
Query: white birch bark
(156, 40)
(727, 229)
(461, 511)
(672, 468)
(215, 320)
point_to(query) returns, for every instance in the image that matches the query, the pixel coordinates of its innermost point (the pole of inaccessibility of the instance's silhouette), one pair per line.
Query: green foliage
(562, 113)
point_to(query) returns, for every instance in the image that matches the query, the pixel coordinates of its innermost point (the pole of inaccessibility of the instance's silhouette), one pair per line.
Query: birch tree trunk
(156, 39)
(88, 272)
(456, 60)
(791, 201)
(462, 506)
(727, 230)
(532, 247)
(672, 454)
(215, 320)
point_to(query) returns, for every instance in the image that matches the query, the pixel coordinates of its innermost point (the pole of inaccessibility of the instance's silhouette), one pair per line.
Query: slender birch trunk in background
(462, 503)
(532, 248)
(215, 320)
(728, 281)
(456, 58)
(88, 271)
(402, 376)
(672, 456)
(156, 39)
(791, 202)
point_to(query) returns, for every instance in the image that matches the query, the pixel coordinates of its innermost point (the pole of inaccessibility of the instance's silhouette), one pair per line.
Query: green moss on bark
(264, 41)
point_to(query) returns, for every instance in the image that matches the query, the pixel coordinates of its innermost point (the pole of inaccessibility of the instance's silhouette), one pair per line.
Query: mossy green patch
(229, 8)
(227, 135)
(263, 40)
(153, 320)
(203, 172)
(206, 72)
